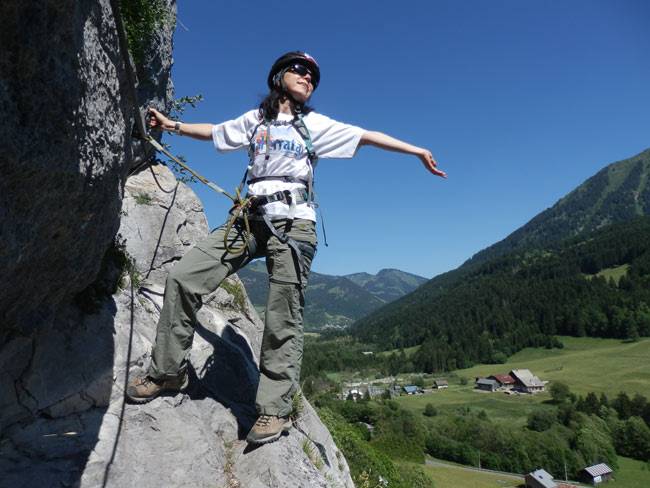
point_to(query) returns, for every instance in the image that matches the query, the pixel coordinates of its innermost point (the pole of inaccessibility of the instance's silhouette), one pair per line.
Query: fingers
(436, 171)
(156, 119)
(431, 164)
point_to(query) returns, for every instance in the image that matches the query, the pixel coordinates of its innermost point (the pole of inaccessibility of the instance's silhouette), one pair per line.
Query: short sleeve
(332, 139)
(234, 134)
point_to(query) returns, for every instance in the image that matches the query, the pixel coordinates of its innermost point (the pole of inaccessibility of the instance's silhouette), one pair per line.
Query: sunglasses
(299, 69)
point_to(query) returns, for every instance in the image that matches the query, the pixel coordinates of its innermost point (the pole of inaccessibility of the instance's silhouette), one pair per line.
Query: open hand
(429, 163)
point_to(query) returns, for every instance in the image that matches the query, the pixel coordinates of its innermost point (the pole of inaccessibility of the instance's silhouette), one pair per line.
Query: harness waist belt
(290, 197)
(286, 179)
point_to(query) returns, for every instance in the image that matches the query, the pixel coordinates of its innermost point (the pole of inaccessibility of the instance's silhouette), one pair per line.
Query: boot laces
(147, 380)
(264, 420)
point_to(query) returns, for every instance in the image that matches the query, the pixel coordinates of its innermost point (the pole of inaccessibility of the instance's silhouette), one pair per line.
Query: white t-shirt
(287, 154)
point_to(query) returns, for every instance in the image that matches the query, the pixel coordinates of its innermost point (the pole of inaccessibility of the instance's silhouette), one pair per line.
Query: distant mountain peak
(616, 193)
(336, 300)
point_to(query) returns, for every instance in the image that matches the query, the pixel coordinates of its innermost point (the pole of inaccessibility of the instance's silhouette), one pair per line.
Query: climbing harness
(311, 197)
(252, 205)
(239, 204)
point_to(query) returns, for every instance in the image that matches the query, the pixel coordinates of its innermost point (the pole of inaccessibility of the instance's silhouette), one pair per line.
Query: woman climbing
(284, 138)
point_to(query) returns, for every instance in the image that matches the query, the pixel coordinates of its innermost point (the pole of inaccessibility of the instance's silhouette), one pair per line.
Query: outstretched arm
(202, 132)
(384, 141)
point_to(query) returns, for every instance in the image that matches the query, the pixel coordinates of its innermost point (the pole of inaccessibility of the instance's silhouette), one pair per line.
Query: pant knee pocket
(307, 249)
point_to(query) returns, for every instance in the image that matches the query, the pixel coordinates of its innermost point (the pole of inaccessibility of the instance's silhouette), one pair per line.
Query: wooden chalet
(411, 390)
(487, 384)
(539, 479)
(596, 474)
(503, 379)
(527, 382)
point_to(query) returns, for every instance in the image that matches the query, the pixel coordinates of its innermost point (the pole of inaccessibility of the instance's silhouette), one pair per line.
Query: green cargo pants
(201, 271)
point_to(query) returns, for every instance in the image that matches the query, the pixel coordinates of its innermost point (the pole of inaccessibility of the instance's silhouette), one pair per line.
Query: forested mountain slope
(596, 284)
(336, 300)
(618, 192)
(534, 283)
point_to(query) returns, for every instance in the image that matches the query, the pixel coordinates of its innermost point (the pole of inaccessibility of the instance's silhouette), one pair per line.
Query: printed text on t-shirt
(288, 147)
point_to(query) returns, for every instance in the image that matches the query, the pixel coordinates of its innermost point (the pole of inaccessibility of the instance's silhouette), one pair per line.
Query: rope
(164, 223)
(109, 464)
(145, 136)
(240, 205)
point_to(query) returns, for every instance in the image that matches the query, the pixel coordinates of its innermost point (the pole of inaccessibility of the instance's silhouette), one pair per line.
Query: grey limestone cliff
(86, 248)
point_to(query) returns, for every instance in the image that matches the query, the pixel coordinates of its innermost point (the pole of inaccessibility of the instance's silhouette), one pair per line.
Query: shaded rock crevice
(66, 196)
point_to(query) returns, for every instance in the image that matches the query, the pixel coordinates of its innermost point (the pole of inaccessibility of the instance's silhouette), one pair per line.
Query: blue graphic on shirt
(289, 147)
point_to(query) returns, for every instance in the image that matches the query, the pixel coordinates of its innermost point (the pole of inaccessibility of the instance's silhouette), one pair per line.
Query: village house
(543, 479)
(441, 384)
(526, 382)
(360, 390)
(487, 384)
(411, 390)
(375, 391)
(505, 380)
(353, 394)
(539, 479)
(596, 474)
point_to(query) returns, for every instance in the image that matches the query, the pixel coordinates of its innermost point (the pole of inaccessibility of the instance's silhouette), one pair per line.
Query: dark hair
(270, 105)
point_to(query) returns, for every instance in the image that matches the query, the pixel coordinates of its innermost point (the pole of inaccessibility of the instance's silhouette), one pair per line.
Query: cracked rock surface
(69, 340)
(87, 436)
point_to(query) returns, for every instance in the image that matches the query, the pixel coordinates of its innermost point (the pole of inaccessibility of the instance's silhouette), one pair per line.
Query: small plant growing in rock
(308, 449)
(237, 292)
(143, 199)
(297, 407)
(142, 19)
(364, 478)
(116, 264)
(178, 107)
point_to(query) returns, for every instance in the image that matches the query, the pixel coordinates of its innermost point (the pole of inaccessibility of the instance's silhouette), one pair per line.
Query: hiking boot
(145, 388)
(268, 428)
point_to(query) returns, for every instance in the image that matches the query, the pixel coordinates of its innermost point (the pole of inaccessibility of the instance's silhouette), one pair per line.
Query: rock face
(65, 157)
(68, 340)
(63, 89)
(91, 437)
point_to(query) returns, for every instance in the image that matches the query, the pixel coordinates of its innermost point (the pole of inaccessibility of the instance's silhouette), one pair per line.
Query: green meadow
(499, 407)
(615, 273)
(585, 364)
(631, 474)
(451, 476)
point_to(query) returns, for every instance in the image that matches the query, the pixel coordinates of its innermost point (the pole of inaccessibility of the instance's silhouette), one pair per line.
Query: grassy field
(585, 364)
(631, 474)
(614, 273)
(409, 351)
(499, 407)
(452, 477)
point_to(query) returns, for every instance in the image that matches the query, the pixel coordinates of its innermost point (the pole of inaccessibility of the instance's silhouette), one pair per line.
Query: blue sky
(519, 102)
